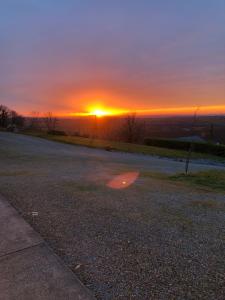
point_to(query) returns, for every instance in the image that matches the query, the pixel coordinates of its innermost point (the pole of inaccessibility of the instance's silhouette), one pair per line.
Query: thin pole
(188, 158)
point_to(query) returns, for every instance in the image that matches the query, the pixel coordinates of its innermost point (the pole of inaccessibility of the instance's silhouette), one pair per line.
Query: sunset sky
(72, 56)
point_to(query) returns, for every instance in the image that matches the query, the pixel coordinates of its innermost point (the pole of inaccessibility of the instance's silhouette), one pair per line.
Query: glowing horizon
(103, 111)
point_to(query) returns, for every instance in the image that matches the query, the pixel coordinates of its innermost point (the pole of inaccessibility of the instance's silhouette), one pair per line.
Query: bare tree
(10, 119)
(34, 121)
(133, 129)
(211, 133)
(4, 116)
(16, 119)
(50, 121)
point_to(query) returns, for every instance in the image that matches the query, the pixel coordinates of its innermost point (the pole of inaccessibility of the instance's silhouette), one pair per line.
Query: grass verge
(213, 179)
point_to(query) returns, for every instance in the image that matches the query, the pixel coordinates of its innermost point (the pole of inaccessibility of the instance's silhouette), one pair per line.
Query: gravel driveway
(152, 240)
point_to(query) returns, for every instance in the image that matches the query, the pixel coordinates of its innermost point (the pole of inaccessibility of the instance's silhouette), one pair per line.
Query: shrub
(183, 145)
(57, 132)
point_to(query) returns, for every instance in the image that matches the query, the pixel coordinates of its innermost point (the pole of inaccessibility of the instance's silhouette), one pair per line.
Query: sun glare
(99, 112)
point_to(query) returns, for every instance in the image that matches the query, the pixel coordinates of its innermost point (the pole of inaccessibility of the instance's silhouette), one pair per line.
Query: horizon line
(209, 110)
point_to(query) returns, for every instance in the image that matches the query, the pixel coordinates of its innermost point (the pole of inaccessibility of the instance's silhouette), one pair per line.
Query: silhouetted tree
(4, 116)
(16, 119)
(10, 119)
(50, 122)
(211, 133)
(133, 128)
(34, 121)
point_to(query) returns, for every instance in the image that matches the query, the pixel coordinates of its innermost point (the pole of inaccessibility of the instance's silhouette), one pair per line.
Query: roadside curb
(29, 268)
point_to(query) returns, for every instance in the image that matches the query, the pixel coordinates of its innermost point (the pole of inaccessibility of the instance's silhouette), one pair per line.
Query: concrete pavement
(28, 267)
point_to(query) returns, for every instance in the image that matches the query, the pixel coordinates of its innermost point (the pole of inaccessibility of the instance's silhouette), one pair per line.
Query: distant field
(126, 147)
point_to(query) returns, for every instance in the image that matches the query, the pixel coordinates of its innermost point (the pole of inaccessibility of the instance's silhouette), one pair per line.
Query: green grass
(124, 147)
(213, 179)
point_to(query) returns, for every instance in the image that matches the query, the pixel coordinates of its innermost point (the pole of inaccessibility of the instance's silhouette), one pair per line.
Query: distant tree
(50, 121)
(133, 129)
(10, 119)
(211, 133)
(34, 121)
(16, 119)
(4, 116)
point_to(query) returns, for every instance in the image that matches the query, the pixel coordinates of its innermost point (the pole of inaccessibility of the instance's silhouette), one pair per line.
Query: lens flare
(123, 181)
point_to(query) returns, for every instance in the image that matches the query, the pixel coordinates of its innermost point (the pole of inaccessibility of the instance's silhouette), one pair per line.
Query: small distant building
(12, 128)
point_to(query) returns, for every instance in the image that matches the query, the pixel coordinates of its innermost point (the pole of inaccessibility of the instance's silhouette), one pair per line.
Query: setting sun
(99, 112)
(102, 112)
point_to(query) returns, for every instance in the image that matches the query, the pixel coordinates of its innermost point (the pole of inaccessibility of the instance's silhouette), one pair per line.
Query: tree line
(11, 120)
(131, 130)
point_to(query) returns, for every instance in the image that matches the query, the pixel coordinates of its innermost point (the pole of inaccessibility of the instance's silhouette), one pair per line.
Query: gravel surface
(152, 240)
